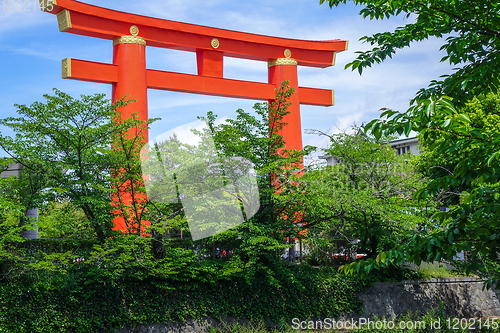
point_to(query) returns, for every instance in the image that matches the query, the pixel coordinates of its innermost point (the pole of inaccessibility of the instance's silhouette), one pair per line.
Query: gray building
(406, 145)
(12, 170)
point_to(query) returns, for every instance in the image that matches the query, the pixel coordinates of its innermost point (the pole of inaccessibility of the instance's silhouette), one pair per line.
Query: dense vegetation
(82, 275)
(78, 153)
(456, 121)
(86, 299)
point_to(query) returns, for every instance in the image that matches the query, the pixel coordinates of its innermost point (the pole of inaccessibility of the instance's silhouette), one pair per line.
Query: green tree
(471, 225)
(472, 40)
(260, 240)
(10, 198)
(11, 211)
(63, 220)
(65, 146)
(365, 197)
(483, 112)
(472, 43)
(128, 193)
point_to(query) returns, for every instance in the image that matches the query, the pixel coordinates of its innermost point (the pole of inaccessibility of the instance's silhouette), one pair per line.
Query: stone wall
(463, 298)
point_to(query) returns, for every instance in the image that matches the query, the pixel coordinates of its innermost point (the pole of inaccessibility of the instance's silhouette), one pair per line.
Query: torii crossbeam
(128, 74)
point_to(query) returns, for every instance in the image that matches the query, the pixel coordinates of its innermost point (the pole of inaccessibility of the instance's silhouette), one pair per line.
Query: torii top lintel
(129, 75)
(88, 20)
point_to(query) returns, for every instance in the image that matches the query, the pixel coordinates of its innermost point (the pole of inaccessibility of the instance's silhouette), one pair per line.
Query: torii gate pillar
(129, 54)
(128, 74)
(280, 70)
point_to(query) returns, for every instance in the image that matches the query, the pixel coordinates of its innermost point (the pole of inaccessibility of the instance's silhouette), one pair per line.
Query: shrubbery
(88, 299)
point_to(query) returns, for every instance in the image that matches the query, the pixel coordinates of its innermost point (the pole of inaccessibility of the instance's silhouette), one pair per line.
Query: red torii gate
(128, 74)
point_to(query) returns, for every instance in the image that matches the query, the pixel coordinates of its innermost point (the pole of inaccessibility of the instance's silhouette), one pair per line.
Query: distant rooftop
(405, 140)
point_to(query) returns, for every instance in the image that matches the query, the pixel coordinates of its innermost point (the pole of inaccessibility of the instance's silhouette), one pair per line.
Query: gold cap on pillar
(282, 61)
(129, 40)
(66, 68)
(64, 20)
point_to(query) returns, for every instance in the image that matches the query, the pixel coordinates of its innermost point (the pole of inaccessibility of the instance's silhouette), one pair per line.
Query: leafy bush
(90, 299)
(435, 270)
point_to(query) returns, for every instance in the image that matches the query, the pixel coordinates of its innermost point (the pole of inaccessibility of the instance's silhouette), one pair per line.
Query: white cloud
(17, 19)
(30, 52)
(184, 133)
(358, 98)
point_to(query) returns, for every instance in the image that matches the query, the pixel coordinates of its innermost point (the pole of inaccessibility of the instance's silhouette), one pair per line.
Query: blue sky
(31, 50)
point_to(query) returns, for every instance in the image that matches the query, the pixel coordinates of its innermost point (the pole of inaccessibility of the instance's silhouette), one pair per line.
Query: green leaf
(464, 117)
(408, 128)
(493, 157)
(383, 257)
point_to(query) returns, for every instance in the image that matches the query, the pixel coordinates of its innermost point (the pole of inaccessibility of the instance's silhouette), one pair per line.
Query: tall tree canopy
(471, 28)
(455, 116)
(65, 145)
(365, 199)
(473, 224)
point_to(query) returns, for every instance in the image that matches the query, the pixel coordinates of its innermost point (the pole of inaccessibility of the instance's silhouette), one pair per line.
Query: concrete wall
(463, 298)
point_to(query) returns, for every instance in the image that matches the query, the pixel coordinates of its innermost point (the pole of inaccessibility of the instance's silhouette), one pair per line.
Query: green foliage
(484, 112)
(10, 197)
(11, 209)
(364, 202)
(435, 270)
(70, 149)
(260, 241)
(472, 40)
(86, 300)
(64, 145)
(472, 225)
(76, 153)
(63, 220)
(128, 193)
(463, 144)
